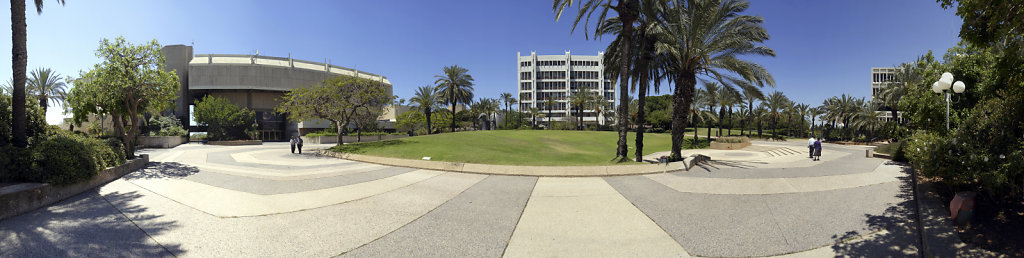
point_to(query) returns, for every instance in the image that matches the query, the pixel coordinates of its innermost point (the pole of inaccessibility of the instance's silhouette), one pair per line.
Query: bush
(321, 133)
(67, 159)
(164, 126)
(732, 139)
(225, 121)
(16, 164)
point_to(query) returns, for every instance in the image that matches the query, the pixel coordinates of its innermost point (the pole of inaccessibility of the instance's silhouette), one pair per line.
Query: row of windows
(551, 75)
(550, 85)
(586, 85)
(882, 77)
(551, 95)
(584, 75)
(525, 63)
(551, 63)
(525, 86)
(526, 96)
(584, 63)
(525, 75)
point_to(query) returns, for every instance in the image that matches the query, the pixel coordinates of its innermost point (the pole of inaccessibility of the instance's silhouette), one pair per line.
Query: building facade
(881, 77)
(254, 82)
(557, 78)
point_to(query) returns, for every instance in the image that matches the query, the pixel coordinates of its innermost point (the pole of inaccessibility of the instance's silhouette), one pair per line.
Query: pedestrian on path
(817, 150)
(810, 147)
(299, 142)
(293, 142)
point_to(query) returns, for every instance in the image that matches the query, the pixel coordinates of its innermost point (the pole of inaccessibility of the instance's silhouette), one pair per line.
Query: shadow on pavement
(86, 225)
(719, 164)
(897, 231)
(156, 170)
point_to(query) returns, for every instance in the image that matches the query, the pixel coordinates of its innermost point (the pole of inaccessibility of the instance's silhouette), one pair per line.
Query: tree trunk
(728, 130)
(19, 61)
(682, 97)
(626, 17)
(340, 130)
(641, 99)
(707, 122)
(696, 138)
(721, 119)
(453, 110)
(427, 112)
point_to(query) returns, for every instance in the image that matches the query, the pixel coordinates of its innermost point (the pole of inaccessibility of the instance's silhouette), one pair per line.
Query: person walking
(817, 150)
(298, 141)
(810, 147)
(293, 142)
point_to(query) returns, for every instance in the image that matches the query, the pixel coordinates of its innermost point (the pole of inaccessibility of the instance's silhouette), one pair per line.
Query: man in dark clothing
(299, 141)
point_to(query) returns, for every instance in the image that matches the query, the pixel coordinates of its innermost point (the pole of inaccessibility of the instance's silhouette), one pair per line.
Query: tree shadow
(157, 170)
(721, 164)
(894, 232)
(87, 225)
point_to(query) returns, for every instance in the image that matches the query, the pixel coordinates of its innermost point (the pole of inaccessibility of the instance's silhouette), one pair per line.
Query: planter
(320, 140)
(348, 138)
(22, 198)
(236, 143)
(161, 141)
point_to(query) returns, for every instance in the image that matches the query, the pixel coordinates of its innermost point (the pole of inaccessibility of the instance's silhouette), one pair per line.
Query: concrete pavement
(204, 201)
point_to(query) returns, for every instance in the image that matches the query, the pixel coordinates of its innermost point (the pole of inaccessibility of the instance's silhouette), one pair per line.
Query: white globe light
(947, 75)
(959, 87)
(935, 87)
(944, 83)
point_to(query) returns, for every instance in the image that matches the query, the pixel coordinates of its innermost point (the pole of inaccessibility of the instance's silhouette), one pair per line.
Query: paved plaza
(229, 201)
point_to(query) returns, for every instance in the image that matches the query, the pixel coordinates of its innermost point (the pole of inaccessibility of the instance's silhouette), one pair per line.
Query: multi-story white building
(881, 77)
(556, 77)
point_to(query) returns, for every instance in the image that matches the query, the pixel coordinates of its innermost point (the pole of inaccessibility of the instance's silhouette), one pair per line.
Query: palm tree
(426, 100)
(710, 99)
(533, 116)
(549, 103)
(696, 114)
(709, 37)
(628, 11)
(457, 87)
(46, 85)
(579, 101)
(802, 110)
(775, 103)
(19, 57)
(726, 97)
(512, 103)
(749, 96)
(505, 97)
(867, 119)
(815, 112)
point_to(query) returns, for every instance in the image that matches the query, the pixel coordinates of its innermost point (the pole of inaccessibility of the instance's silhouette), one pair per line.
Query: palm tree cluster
(456, 86)
(850, 116)
(680, 42)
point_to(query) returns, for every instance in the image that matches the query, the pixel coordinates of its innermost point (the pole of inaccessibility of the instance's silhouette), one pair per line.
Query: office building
(881, 77)
(556, 78)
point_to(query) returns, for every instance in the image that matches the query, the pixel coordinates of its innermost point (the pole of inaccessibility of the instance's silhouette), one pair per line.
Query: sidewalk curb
(26, 197)
(938, 236)
(546, 171)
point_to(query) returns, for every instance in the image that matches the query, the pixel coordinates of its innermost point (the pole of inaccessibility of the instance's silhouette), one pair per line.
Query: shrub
(732, 139)
(225, 121)
(66, 159)
(16, 164)
(164, 126)
(324, 132)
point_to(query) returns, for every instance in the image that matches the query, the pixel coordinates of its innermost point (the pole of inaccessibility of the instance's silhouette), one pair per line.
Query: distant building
(557, 77)
(881, 77)
(255, 82)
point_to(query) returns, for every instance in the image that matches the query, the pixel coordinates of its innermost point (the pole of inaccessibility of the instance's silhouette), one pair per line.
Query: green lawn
(512, 147)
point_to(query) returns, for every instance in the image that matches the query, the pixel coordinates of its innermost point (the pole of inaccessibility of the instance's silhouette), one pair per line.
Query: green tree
(776, 102)
(19, 64)
(224, 121)
(426, 100)
(708, 38)
(549, 103)
(130, 80)
(505, 99)
(46, 85)
(628, 12)
(456, 85)
(336, 99)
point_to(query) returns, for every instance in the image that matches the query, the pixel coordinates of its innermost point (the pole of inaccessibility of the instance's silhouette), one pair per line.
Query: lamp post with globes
(943, 85)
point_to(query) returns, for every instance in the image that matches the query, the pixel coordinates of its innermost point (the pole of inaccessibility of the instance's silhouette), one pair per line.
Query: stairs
(784, 151)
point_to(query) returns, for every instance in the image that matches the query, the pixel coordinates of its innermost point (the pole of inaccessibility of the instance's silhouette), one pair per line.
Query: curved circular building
(252, 81)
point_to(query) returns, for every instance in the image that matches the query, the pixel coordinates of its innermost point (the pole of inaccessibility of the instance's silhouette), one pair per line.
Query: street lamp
(943, 85)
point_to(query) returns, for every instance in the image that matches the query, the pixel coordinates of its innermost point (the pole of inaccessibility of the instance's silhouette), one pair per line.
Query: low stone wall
(235, 143)
(162, 141)
(22, 198)
(715, 145)
(552, 171)
(348, 138)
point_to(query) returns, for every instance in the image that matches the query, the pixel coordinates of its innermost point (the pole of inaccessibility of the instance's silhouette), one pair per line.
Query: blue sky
(825, 48)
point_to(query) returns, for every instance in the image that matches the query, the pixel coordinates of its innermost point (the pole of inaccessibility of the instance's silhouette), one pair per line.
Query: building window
(525, 85)
(525, 75)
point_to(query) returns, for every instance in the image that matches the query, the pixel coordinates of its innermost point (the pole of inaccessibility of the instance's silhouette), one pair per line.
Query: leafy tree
(775, 103)
(130, 80)
(708, 38)
(19, 57)
(426, 100)
(336, 99)
(628, 11)
(47, 85)
(549, 103)
(224, 121)
(456, 86)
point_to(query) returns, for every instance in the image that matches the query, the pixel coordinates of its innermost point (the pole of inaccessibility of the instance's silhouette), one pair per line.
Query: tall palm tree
(426, 100)
(726, 97)
(802, 111)
(814, 113)
(708, 38)
(710, 99)
(549, 103)
(750, 95)
(19, 65)
(776, 102)
(867, 119)
(628, 12)
(696, 114)
(457, 87)
(46, 85)
(512, 103)
(505, 97)
(533, 116)
(579, 101)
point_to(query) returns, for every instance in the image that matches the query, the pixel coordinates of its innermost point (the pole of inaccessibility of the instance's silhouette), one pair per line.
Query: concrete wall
(162, 141)
(176, 59)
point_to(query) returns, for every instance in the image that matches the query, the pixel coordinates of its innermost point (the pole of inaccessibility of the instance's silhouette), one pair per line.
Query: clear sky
(825, 48)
